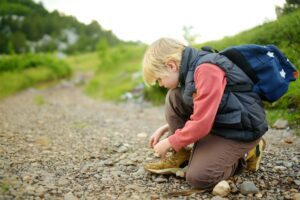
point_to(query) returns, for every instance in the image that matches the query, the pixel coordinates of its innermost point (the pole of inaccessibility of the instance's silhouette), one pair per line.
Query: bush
(18, 72)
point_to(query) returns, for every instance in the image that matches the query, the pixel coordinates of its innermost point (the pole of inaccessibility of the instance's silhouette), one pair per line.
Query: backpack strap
(239, 88)
(237, 58)
(209, 49)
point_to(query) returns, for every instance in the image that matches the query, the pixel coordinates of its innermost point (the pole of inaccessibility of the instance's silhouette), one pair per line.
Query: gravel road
(57, 143)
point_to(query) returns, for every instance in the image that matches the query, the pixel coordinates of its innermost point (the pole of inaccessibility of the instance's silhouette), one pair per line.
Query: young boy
(226, 127)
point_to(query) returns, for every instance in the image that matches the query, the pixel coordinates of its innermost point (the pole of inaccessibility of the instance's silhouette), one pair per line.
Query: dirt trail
(57, 143)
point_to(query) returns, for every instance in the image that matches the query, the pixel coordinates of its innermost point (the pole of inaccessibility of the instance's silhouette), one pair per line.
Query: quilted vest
(240, 115)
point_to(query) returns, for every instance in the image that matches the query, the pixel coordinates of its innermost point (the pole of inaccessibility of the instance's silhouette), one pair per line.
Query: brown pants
(214, 158)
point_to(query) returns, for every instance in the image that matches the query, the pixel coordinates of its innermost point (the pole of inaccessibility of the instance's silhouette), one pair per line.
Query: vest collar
(188, 61)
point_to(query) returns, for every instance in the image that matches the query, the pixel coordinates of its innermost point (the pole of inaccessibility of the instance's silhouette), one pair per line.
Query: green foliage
(18, 72)
(288, 7)
(155, 94)
(84, 62)
(4, 187)
(284, 33)
(116, 73)
(27, 26)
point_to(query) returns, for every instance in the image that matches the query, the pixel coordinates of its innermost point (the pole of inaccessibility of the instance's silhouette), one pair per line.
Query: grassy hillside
(18, 72)
(285, 33)
(118, 72)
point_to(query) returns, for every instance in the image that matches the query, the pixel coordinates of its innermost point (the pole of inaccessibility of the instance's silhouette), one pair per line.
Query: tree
(188, 36)
(288, 7)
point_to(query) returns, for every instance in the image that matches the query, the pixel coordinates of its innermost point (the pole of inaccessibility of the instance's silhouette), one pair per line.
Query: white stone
(142, 135)
(280, 124)
(221, 189)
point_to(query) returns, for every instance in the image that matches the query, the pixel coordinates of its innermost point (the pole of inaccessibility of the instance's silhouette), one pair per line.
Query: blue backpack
(268, 68)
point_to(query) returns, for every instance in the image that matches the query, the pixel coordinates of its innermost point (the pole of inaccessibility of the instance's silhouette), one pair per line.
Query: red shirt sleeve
(210, 82)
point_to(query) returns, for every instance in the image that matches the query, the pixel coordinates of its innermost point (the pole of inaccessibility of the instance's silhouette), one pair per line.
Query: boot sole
(164, 171)
(180, 172)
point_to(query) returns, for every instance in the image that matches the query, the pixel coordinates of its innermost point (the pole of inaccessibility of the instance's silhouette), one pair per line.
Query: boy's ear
(172, 65)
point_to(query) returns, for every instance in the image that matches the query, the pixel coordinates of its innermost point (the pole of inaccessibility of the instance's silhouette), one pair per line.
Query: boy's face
(171, 79)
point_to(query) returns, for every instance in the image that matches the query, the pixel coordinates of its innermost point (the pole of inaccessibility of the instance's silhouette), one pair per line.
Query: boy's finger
(155, 141)
(151, 142)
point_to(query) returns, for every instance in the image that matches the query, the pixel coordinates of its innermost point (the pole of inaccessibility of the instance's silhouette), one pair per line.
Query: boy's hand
(162, 148)
(153, 140)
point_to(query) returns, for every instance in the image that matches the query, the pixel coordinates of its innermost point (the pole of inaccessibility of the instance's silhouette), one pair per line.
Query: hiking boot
(254, 156)
(171, 164)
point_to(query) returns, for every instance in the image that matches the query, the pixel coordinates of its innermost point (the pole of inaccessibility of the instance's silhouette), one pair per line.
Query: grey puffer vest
(240, 115)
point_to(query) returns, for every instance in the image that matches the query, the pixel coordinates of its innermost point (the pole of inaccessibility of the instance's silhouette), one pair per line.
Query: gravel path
(58, 143)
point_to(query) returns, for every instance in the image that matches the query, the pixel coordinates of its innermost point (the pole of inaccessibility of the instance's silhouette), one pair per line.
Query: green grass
(84, 62)
(284, 33)
(116, 73)
(19, 72)
(4, 187)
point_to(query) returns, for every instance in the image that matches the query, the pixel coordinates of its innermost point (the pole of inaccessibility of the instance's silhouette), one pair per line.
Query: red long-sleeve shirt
(210, 82)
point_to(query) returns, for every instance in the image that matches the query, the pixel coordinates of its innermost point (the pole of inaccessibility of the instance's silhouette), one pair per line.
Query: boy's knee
(201, 179)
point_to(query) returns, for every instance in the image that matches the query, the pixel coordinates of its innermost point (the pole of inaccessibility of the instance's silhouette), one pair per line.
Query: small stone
(70, 196)
(288, 140)
(280, 124)
(297, 182)
(274, 182)
(296, 196)
(62, 181)
(160, 180)
(295, 159)
(259, 195)
(221, 189)
(279, 168)
(132, 187)
(288, 164)
(97, 176)
(122, 149)
(218, 198)
(27, 178)
(40, 191)
(248, 187)
(142, 135)
(293, 190)
(43, 141)
(108, 163)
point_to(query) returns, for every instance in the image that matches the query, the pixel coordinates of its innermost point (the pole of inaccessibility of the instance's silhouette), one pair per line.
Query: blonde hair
(157, 55)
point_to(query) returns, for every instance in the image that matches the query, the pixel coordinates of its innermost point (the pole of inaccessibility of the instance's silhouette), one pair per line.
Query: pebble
(70, 196)
(218, 198)
(160, 180)
(296, 196)
(280, 124)
(142, 135)
(248, 187)
(221, 189)
(279, 168)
